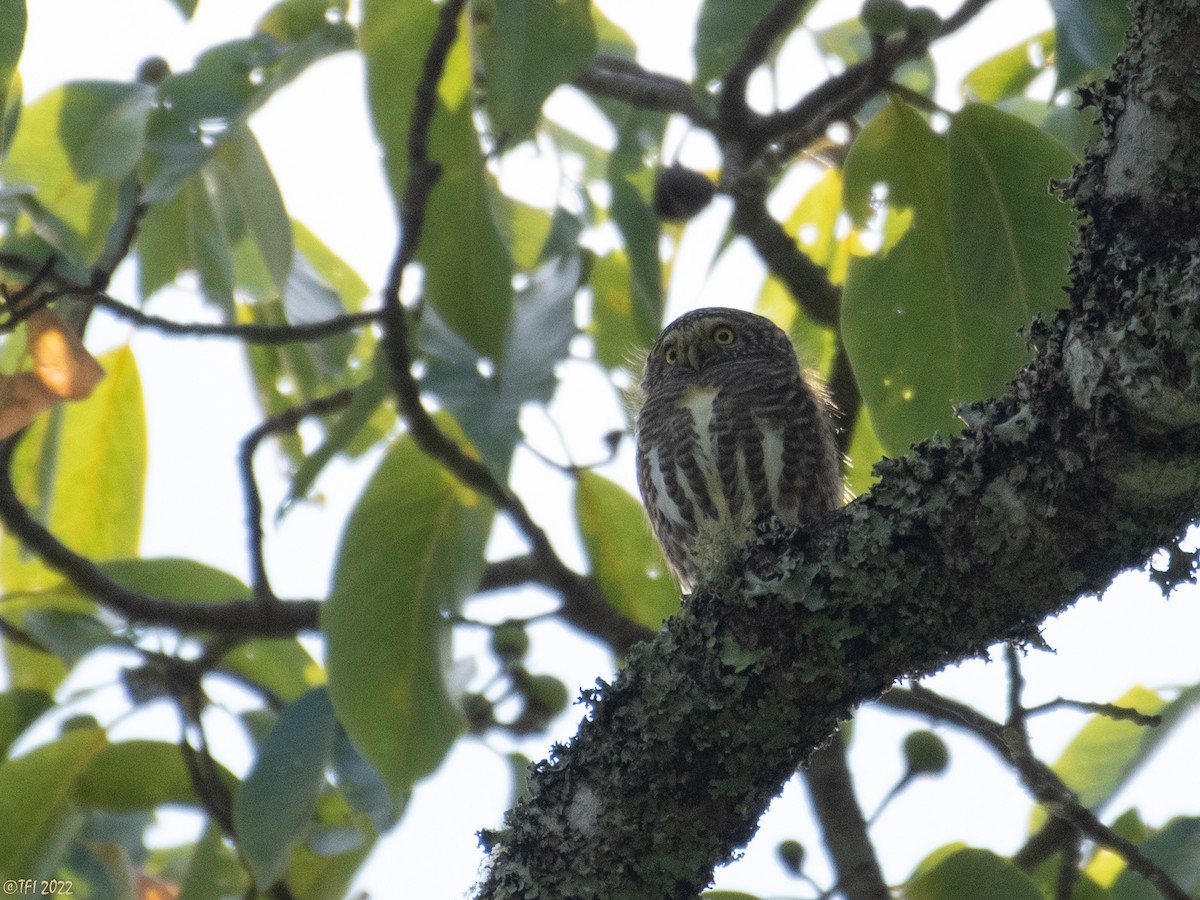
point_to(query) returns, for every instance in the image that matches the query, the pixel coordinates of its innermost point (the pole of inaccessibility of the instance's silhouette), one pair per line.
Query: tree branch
(282, 423)
(624, 79)
(583, 604)
(234, 617)
(1084, 468)
(843, 825)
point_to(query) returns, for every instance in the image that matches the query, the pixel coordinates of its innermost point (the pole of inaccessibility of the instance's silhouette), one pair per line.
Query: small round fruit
(925, 753)
(884, 17)
(680, 193)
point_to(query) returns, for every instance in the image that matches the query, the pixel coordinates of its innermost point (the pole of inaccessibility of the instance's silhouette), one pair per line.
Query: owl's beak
(695, 356)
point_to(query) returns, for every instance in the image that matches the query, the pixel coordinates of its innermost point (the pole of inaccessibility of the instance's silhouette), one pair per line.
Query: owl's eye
(723, 335)
(671, 355)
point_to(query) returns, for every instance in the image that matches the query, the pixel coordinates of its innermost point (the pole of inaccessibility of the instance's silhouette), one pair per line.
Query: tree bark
(1083, 469)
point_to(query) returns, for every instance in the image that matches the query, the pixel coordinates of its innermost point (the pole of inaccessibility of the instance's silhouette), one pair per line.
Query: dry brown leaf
(22, 397)
(59, 357)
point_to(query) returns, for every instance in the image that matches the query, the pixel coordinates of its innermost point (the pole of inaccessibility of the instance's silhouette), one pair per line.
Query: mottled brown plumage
(728, 429)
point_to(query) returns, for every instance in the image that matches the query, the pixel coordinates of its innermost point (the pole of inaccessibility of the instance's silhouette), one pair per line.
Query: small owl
(729, 429)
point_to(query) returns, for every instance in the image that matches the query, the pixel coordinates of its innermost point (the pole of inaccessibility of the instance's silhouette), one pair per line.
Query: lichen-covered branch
(1083, 469)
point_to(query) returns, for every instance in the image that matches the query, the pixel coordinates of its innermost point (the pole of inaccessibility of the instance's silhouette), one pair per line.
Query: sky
(317, 136)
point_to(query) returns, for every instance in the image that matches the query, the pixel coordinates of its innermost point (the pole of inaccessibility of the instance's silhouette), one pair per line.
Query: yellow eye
(671, 355)
(723, 335)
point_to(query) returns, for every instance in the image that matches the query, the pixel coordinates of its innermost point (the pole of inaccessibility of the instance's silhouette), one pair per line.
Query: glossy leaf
(361, 785)
(1007, 74)
(933, 320)
(12, 41)
(330, 267)
(625, 559)
(468, 282)
(528, 48)
(73, 147)
(1088, 36)
(37, 813)
(198, 108)
(290, 21)
(411, 551)
(614, 330)
(1176, 850)
(368, 400)
(101, 470)
(274, 806)
(82, 469)
(176, 578)
(962, 873)
(18, 710)
(539, 335)
(138, 774)
(215, 872)
(638, 134)
(260, 205)
(282, 666)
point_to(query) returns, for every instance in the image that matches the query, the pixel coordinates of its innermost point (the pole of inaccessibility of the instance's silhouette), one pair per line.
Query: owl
(729, 429)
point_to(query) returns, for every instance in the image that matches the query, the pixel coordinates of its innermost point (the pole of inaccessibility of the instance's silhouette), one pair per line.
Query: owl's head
(700, 344)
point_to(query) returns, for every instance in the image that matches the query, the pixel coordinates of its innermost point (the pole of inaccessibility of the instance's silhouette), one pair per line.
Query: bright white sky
(318, 140)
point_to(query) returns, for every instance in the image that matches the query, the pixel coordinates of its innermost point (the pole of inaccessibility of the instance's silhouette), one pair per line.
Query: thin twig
(233, 617)
(732, 109)
(281, 423)
(621, 79)
(841, 95)
(583, 605)
(1038, 778)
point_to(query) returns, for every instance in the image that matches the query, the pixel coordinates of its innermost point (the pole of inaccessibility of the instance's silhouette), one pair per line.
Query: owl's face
(701, 346)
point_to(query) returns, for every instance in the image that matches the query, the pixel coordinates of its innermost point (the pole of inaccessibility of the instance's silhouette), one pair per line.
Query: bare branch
(282, 423)
(583, 604)
(622, 79)
(235, 616)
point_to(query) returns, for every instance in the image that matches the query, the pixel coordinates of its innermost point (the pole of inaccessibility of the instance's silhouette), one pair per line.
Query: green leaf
(638, 134)
(199, 108)
(274, 806)
(37, 814)
(330, 267)
(215, 872)
(1089, 34)
(290, 21)
(368, 399)
(961, 873)
(361, 785)
(1007, 74)
(616, 333)
(862, 455)
(539, 335)
(69, 635)
(931, 321)
(12, 41)
(1106, 752)
(1175, 850)
(625, 559)
(72, 148)
(528, 48)
(259, 202)
(138, 774)
(411, 552)
(18, 710)
(187, 8)
(90, 495)
(282, 666)
(468, 282)
(721, 31)
(175, 578)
